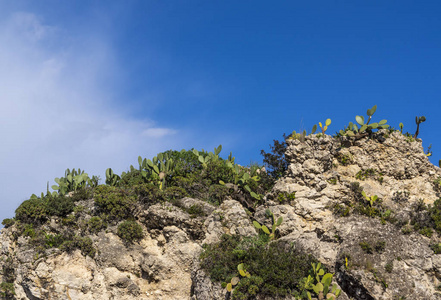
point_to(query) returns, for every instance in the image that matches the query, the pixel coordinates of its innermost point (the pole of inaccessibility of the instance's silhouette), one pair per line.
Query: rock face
(372, 256)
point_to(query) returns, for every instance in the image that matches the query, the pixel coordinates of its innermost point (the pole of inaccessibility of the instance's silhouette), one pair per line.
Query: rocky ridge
(373, 249)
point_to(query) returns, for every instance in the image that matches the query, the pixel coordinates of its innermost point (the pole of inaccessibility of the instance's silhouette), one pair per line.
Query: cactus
(273, 228)
(243, 176)
(324, 128)
(322, 287)
(71, 181)
(112, 179)
(401, 127)
(298, 136)
(418, 121)
(314, 128)
(366, 128)
(204, 157)
(235, 280)
(157, 169)
(371, 199)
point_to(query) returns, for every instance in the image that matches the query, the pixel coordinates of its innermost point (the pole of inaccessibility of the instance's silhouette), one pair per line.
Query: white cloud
(57, 110)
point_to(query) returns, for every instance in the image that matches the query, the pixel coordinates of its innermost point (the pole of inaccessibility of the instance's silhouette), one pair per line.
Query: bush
(82, 194)
(277, 271)
(435, 215)
(218, 193)
(115, 202)
(59, 205)
(274, 161)
(174, 193)
(53, 240)
(148, 193)
(130, 231)
(132, 178)
(218, 170)
(32, 211)
(8, 222)
(96, 224)
(185, 162)
(84, 244)
(7, 290)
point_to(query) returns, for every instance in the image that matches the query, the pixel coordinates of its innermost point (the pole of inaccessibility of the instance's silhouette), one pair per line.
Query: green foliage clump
(32, 211)
(148, 193)
(277, 271)
(217, 193)
(435, 215)
(113, 201)
(285, 197)
(85, 244)
(7, 290)
(59, 205)
(218, 170)
(389, 267)
(436, 248)
(82, 194)
(196, 210)
(174, 193)
(344, 159)
(379, 247)
(53, 240)
(275, 161)
(130, 231)
(366, 247)
(96, 224)
(8, 222)
(131, 178)
(437, 184)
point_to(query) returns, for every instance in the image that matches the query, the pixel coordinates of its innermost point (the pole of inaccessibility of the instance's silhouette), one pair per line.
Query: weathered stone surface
(164, 264)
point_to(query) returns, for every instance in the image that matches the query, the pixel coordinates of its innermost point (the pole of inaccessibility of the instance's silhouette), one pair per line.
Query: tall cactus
(157, 169)
(112, 179)
(72, 181)
(418, 121)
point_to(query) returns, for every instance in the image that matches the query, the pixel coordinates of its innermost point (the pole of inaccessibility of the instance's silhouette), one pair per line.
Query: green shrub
(426, 231)
(218, 193)
(277, 271)
(84, 244)
(26, 230)
(32, 211)
(218, 170)
(196, 210)
(7, 290)
(174, 193)
(96, 224)
(285, 197)
(148, 193)
(131, 178)
(366, 247)
(8, 222)
(59, 205)
(248, 288)
(380, 246)
(274, 161)
(435, 215)
(53, 240)
(113, 201)
(130, 231)
(82, 194)
(185, 162)
(436, 248)
(389, 267)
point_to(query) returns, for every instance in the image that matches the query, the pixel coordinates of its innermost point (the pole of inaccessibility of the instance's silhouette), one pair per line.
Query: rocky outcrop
(373, 257)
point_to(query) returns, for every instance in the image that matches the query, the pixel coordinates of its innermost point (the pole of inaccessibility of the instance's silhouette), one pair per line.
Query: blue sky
(94, 84)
